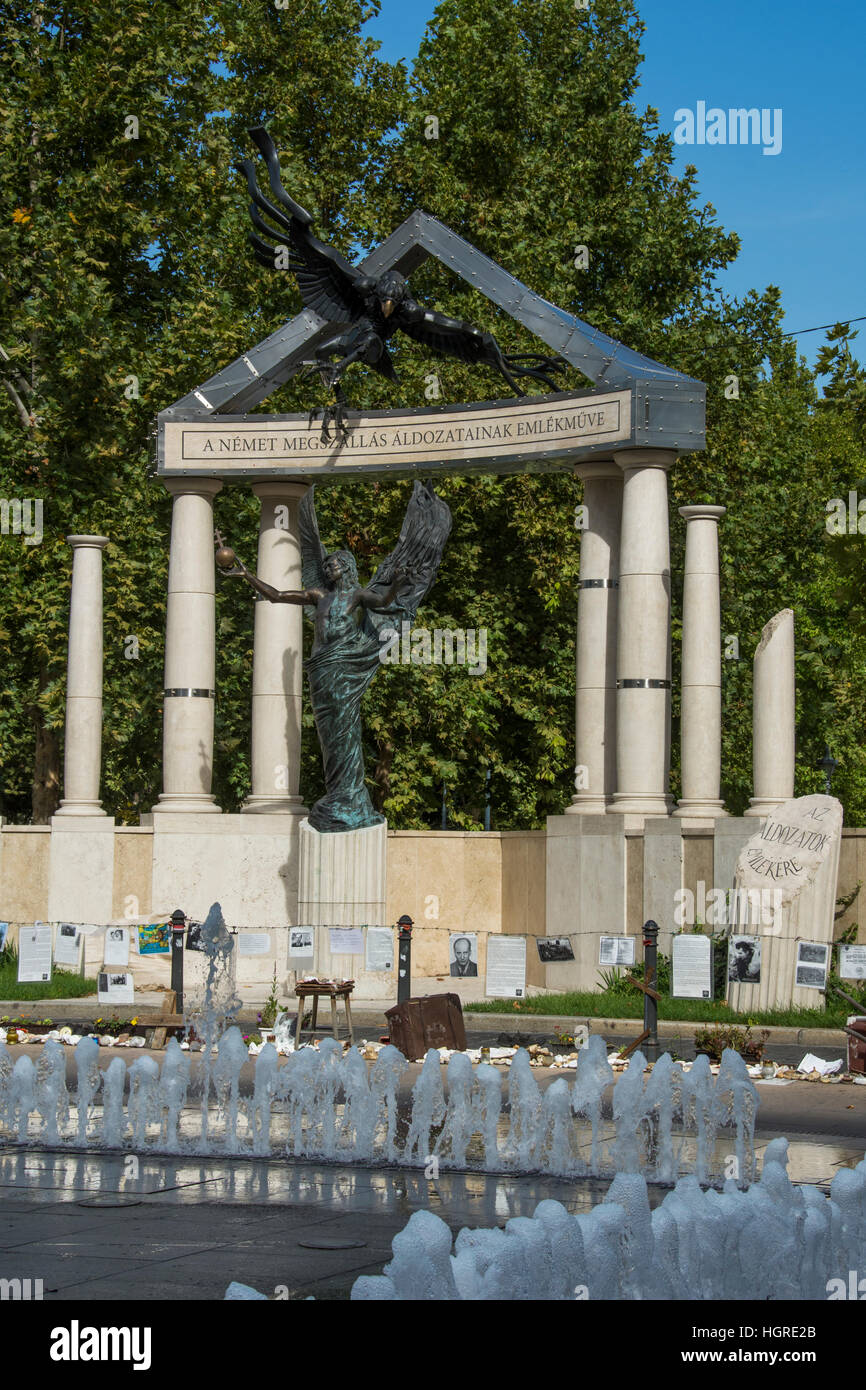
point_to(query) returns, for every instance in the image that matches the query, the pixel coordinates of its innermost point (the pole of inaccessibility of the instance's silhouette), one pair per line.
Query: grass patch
(608, 1005)
(62, 985)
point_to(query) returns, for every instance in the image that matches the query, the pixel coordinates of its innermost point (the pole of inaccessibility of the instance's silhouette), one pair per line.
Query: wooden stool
(315, 990)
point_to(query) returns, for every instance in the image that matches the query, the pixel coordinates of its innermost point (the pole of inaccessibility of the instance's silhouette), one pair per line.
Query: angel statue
(351, 625)
(368, 310)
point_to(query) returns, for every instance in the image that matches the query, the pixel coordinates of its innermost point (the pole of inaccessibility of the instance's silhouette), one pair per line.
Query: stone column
(701, 720)
(773, 715)
(595, 684)
(83, 734)
(188, 718)
(277, 656)
(643, 665)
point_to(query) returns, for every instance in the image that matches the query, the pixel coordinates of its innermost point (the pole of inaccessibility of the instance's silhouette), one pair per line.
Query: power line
(822, 326)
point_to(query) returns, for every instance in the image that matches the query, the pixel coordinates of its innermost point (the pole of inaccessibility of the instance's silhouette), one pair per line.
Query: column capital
(87, 542)
(646, 458)
(279, 488)
(700, 511)
(602, 470)
(200, 487)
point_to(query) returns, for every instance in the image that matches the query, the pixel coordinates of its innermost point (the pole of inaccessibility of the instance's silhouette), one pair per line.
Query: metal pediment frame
(668, 407)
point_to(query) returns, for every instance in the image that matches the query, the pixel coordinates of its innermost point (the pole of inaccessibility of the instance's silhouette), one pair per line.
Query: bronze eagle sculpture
(373, 307)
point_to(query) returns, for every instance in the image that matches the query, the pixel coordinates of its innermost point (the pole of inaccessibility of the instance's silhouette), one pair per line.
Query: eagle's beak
(387, 307)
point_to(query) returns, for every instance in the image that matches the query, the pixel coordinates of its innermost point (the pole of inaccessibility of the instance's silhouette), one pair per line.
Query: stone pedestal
(81, 868)
(188, 709)
(343, 882)
(585, 892)
(249, 864)
(643, 664)
(83, 730)
(343, 877)
(277, 657)
(701, 719)
(773, 715)
(595, 689)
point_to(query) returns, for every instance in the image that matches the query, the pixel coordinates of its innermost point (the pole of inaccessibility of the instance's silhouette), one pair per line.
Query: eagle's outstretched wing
(417, 554)
(329, 284)
(312, 550)
(454, 338)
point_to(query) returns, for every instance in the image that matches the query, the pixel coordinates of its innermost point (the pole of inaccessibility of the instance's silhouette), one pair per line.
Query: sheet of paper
(116, 949)
(154, 939)
(346, 941)
(193, 937)
(852, 962)
(34, 953)
(380, 949)
(252, 943)
(616, 950)
(115, 987)
(553, 950)
(506, 967)
(301, 943)
(692, 967)
(68, 942)
(813, 959)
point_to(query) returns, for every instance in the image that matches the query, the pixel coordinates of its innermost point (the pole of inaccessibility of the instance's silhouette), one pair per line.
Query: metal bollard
(404, 958)
(178, 927)
(651, 977)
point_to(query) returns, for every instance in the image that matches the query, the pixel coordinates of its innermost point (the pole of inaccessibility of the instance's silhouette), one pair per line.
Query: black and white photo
(463, 955)
(744, 960)
(552, 949)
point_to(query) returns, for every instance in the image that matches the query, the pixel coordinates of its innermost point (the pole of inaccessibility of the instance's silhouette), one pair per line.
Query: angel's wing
(312, 550)
(418, 554)
(329, 284)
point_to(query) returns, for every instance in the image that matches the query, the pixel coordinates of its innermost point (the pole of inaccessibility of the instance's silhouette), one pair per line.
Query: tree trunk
(46, 770)
(382, 776)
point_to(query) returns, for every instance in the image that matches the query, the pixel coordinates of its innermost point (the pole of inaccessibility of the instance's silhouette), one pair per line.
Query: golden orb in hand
(225, 557)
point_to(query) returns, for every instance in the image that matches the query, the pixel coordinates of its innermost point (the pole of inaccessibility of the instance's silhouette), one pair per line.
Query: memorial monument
(622, 851)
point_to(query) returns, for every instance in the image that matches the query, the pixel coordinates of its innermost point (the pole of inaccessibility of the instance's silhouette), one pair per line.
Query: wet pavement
(91, 1228)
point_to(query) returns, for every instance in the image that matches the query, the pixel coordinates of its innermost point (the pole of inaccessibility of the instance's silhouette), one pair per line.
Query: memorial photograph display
(463, 955)
(744, 960)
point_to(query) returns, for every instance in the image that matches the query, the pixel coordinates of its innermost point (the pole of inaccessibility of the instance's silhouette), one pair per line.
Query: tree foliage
(126, 258)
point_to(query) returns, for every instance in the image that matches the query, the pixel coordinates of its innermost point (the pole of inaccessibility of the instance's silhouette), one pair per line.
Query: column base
(763, 805)
(275, 806)
(700, 808)
(80, 808)
(587, 806)
(641, 804)
(186, 805)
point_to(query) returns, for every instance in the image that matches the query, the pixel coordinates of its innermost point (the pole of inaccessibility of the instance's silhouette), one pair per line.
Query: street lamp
(828, 765)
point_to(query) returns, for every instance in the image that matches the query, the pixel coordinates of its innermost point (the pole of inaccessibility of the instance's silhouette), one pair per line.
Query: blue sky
(801, 214)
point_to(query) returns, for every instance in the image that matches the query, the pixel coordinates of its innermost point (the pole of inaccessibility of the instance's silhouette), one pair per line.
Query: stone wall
(581, 877)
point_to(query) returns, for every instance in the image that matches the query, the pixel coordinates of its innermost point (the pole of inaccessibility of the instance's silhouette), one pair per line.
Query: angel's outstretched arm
(240, 571)
(305, 596)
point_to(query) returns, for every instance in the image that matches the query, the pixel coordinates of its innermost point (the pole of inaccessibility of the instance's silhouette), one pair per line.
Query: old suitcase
(857, 1049)
(434, 1020)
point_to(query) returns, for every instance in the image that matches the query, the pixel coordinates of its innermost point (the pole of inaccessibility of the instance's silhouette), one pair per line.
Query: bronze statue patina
(351, 625)
(373, 308)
